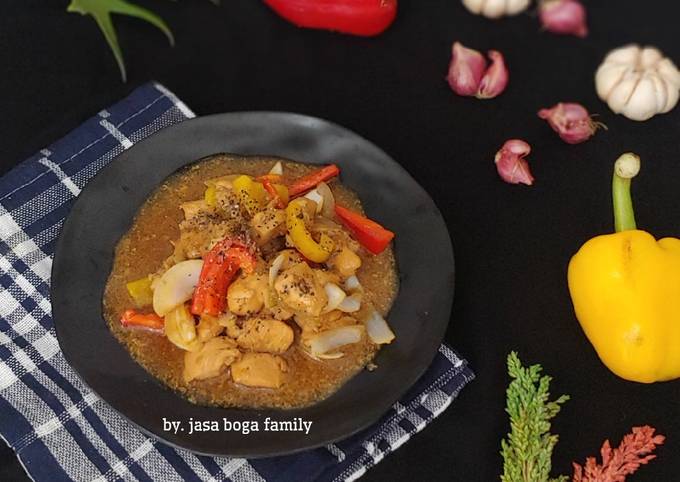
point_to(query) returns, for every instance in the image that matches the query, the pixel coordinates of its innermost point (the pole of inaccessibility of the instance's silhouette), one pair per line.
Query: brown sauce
(143, 249)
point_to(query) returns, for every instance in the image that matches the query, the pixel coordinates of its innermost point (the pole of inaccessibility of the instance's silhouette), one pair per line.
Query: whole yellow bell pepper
(625, 288)
(297, 218)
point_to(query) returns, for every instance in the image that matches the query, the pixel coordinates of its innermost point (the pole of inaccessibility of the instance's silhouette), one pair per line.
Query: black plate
(104, 211)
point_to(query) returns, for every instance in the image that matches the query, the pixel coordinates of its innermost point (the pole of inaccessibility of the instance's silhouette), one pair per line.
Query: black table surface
(512, 243)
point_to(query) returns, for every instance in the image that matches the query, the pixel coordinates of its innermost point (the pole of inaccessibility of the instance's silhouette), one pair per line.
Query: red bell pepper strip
(311, 180)
(370, 234)
(365, 18)
(273, 193)
(133, 319)
(220, 266)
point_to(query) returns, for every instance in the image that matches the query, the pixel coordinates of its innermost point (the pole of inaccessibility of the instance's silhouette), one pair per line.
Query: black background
(512, 243)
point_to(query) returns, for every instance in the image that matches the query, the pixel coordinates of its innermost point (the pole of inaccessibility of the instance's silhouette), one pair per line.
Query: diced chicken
(265, 335)
(246, 295)
(346, 262)
(192, 209)
(299, 290)
(268, 224)
(259, 370)
(323, 277)
(210, 359)
(208, 327)
(230, 322)
(279, 312)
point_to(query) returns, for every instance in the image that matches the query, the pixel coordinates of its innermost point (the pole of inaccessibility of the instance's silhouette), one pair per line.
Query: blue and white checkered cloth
(59, 429)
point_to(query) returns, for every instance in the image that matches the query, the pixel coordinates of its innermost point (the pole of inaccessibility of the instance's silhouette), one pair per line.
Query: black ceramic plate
(104, 211)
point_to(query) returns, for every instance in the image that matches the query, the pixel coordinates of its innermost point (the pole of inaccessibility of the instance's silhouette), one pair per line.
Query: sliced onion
(352, 284)
(277, 169)
(351, 303)
(330, 340)
(275, 268)
(176, 286)
(328, 208)
(335, 296)
(378, 330)
(314, 195)
(323, 224)
(331, 356)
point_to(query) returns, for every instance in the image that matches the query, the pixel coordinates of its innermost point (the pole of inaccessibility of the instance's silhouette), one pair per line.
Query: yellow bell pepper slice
(140, 291)
(251, 194)
(211, 196)
(297, 218)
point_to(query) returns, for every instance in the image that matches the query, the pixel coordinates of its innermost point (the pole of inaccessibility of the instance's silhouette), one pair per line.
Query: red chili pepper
(273, 193)
(219, 269)
(365, 18)
(311, 180)
(370, 234)
(151, 321)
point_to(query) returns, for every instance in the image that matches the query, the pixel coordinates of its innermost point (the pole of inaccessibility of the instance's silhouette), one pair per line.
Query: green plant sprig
(527, 451)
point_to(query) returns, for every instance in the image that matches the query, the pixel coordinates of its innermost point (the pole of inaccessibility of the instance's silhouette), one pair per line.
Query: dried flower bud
(571, 121)
(468, 74)
(495, 78)
(511, 165)
(566, 17)
(466, 70)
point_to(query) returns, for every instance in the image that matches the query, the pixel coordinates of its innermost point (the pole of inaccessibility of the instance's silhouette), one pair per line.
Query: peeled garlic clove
(511, 165)
(466, 70)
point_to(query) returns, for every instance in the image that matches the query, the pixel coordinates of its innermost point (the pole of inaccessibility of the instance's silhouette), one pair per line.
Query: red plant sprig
(635, 450)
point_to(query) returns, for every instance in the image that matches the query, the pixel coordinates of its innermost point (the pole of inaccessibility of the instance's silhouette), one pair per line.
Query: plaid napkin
(59, 429)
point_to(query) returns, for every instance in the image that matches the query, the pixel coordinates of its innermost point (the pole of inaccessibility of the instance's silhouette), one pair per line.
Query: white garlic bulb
(638, 82)
(496, 8)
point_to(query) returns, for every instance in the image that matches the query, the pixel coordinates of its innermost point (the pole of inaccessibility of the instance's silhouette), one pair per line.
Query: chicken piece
(259, 370)
(210, 359)
(268, 224)
(279, 312)
(265, 335)
(208, 327)
(246, 295)
(299, 290)
(193, 209)
(324, 276)
(230, 322)
(197, 235)
(345, 263)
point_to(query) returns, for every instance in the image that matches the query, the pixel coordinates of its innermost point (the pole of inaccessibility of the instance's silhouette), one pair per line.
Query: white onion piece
(314, 195)
(328, 208)
(351, 303)
(378, 330)
(277, 170)
(335, 296)
(352, 284)
(176, 286)
(275, 268)
(330, 340)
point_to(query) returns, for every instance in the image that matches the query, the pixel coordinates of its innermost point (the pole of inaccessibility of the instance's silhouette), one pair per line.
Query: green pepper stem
(626, 168)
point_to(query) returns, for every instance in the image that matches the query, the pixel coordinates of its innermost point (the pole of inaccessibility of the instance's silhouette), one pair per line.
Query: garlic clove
(607, 77)
(649, 57)
(494, 8)
(642, 102)
(661, 92)
(619, 96)
(627, 55)
(516, 6)
(673, 96)
(474, 6)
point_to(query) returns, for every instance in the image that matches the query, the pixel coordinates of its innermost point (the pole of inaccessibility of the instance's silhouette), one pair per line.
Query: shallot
(511, 163)
(469, 75)
(571, 121)
(566, 17)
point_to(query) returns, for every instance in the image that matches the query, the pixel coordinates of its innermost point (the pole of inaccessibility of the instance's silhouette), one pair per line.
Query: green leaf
(101, 11)
(527, 450)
